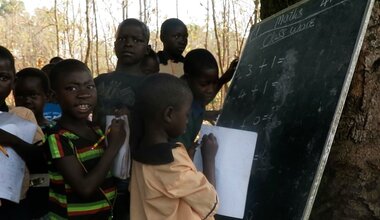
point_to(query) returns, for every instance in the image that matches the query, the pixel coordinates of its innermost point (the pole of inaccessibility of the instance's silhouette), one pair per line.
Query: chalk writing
(277, 36)
(289, 17)
(325, 2)
(262, 66)
(279, 32)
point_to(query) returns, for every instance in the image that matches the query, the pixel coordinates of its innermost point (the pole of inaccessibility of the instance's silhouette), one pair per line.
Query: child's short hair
(159, 91)
(198, 59)
(169, 24)
(7, 55)
(47, 69)
(64, 67)
(36, 73)
(133, 21)
(55, 60)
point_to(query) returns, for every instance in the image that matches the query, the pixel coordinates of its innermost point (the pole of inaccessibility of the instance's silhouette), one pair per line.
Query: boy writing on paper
(165, 184)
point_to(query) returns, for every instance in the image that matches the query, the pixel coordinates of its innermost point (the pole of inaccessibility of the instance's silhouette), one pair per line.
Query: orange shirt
(171, 191)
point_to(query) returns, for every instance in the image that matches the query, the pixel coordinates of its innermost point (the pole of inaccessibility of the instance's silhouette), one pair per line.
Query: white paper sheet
(233, 164)
(12, 171)
(17, 126)
(12, 168)
(122, 162)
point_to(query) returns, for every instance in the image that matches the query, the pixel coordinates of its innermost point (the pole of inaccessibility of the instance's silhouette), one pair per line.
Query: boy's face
(130, 45)
(203, 85)
(29, 93)
(76, 94)
(180, 118)
(175, 40)
(6, 78)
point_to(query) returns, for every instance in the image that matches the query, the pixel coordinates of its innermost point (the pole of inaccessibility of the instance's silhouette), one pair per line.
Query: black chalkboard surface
(289, 87)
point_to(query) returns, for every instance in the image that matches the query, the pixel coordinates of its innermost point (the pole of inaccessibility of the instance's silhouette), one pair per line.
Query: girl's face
(6, 78)
(76, 94)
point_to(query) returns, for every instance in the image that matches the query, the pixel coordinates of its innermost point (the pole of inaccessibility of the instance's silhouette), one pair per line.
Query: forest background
(35, 31)
(84, 29)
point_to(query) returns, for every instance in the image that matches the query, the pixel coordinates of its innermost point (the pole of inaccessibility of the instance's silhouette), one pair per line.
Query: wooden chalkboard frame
(338, 112)
(312, 191)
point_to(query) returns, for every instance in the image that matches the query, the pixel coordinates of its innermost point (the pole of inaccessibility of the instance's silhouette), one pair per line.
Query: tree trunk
(56, 25)
(176, 7)
(219, 50)
(350, 187)
(157, 27)
(218, 45)
(236, 31)
(207, 22)
(96, 39)
(88, 32)
(257, 11)
(140, 8)
(270, 7)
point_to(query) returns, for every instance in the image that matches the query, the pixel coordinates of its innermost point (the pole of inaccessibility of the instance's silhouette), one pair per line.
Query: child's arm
(209, 147)
(86, 183)
(28, 152)
(227, 76)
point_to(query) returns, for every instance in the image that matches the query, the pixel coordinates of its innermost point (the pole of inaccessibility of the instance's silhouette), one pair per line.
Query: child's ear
(168, 114)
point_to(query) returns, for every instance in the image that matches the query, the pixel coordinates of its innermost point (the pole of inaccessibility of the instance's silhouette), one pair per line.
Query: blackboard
(289, 87)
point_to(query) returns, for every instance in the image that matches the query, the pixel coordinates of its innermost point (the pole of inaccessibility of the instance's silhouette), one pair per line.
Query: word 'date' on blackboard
(290, 87)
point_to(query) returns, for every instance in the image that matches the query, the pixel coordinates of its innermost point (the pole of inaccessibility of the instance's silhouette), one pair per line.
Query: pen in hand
(2, 149)
(101, 139)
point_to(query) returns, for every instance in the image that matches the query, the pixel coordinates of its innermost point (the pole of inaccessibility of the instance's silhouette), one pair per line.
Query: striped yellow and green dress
(64, 203)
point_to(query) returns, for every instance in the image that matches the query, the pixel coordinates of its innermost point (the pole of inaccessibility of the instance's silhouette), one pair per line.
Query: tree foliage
(8, 7)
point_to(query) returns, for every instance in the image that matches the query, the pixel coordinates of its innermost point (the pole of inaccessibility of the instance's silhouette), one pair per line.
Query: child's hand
(231, 69)
(117, 134)
(209, 147)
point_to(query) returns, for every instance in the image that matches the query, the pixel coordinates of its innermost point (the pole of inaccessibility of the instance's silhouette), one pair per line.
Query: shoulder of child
(101, 77)
(180, 153)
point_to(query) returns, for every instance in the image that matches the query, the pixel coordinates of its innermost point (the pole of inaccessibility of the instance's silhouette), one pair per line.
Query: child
(116, 90)
(81, 185)
(150, 64)
(7, 75)
(173, 35)
(165, 183)
(31, 91)
(201, 74)
(10, 210)
(52, 110)
(55, 60)
(174, 38)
